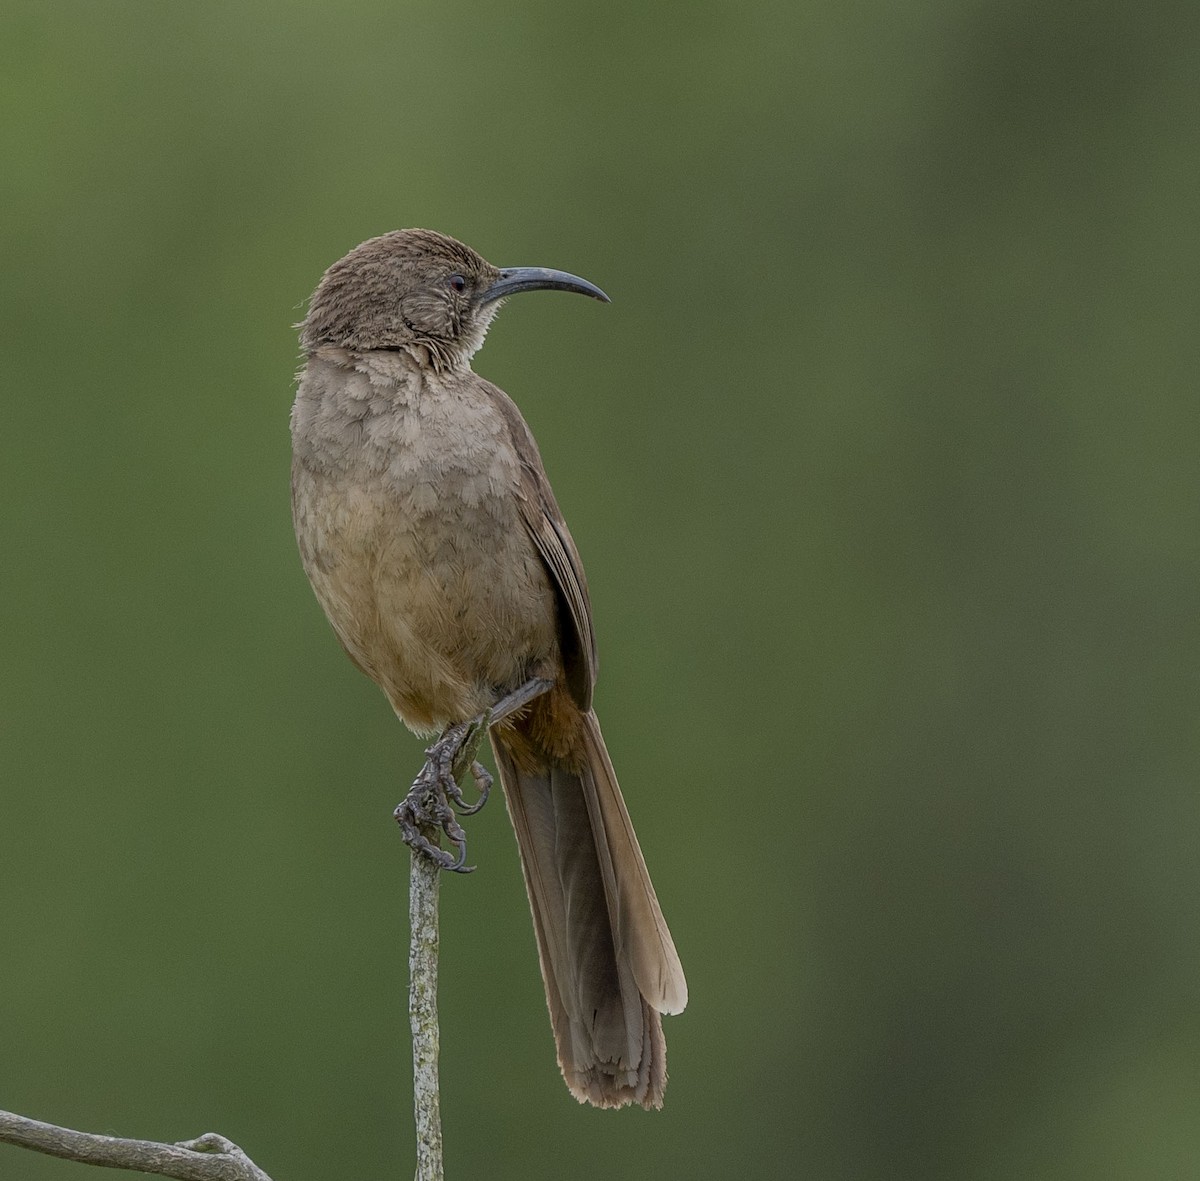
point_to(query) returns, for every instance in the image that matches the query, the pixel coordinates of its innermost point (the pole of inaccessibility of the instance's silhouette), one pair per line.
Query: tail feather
(640, 930)
(607, 959)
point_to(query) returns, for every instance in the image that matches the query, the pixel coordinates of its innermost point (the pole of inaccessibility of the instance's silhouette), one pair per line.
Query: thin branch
(207, 1158)
(424, 881)
(422, 1012)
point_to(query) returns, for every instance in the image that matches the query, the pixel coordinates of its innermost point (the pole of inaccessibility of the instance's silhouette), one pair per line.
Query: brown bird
(428, 529)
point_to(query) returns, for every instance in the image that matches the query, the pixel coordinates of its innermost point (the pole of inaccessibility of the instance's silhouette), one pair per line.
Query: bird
(428, 529)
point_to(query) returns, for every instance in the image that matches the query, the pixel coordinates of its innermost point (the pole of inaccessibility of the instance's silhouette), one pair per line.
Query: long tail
(608, 961)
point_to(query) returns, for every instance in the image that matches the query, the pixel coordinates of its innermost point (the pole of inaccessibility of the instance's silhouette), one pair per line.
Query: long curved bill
(516, 279)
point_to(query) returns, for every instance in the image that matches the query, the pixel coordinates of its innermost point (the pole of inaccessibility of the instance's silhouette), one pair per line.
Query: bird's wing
(544, 520)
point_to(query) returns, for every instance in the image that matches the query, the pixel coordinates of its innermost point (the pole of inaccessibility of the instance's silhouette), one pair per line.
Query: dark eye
(457, 283)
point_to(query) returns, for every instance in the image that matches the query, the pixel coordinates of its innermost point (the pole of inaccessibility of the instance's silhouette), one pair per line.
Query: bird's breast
(407, 517)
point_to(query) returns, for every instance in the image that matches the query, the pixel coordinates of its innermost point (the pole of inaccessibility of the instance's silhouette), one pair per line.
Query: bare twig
(207, 1158)
(422, 1012)
(424, 881)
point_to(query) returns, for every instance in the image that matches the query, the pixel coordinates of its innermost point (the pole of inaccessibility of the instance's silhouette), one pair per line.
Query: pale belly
(443, 602)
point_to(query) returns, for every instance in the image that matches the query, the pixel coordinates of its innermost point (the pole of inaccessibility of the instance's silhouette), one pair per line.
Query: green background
(883, 463)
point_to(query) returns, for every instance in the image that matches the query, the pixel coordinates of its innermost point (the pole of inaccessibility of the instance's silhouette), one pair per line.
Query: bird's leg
(518, 699)
(427, 807)
(435, 794)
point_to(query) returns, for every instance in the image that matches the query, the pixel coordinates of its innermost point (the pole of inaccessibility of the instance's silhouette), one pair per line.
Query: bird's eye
(457, 283)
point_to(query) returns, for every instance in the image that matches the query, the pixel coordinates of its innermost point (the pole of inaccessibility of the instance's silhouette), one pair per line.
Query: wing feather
(548, 530)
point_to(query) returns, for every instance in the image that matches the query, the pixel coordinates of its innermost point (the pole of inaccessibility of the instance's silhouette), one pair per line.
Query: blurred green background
(883, 463)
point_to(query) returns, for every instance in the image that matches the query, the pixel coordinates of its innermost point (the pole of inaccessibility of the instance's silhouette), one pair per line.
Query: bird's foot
(430, 804)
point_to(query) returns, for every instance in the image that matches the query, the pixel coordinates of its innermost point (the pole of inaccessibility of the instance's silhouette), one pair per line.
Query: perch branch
(424, 880)
(422, 1011)
(207, 1158)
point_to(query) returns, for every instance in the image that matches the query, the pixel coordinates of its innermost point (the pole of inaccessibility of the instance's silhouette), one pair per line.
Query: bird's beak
(515, 279)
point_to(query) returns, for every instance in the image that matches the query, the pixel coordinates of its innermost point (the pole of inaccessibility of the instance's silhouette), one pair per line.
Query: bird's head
(420, 291)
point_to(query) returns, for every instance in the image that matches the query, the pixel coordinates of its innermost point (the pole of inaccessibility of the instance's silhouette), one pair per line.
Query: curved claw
(483, 782)
(454, 832)
(459, 864)
(411, 815)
